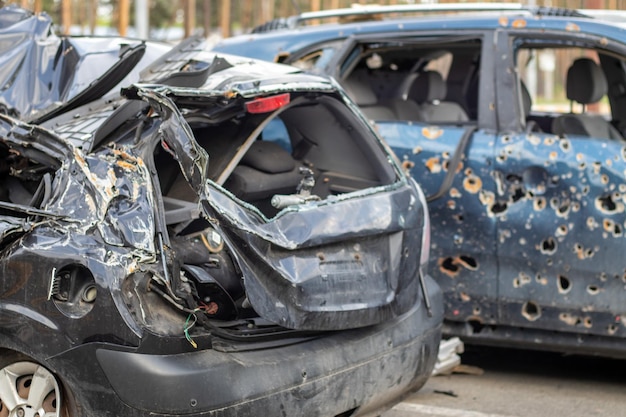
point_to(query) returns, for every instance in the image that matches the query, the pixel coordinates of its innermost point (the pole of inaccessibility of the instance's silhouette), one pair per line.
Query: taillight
(267, 104)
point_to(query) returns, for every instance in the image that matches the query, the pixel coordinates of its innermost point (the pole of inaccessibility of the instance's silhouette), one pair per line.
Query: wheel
(28, 389)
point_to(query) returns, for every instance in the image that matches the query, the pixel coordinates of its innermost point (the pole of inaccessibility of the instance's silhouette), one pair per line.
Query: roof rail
(364, 11)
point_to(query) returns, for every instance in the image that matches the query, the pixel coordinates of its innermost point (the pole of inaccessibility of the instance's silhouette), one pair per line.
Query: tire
(26, 384)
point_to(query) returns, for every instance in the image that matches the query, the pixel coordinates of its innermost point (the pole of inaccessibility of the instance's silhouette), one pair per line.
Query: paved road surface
(519, 383)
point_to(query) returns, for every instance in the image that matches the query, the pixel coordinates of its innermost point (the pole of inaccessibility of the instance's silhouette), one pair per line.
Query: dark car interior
(313, 147)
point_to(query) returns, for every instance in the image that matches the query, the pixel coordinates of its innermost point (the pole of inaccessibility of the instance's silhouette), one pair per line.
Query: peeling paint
(432, 132)
(572, 27)
(433, 165)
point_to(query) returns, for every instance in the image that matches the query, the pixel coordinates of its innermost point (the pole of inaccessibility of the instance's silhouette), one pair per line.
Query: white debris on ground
(448, 357)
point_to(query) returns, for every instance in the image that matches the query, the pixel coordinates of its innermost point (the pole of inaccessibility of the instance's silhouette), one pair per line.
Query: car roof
(285, 36)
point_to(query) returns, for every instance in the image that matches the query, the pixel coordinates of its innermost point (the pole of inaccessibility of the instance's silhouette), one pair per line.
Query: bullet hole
(593, 289)
(614, 228)
(504, 235)
(549, 141)
(458, 218)
(549, 262)
(569, 319)
(468, 262)
(624, 153)
(582, 166)
(565, 145)
(517, 194)
(585, 190)
(591, 223)
(451, 204)
(521, 280)
(407, 165)
(541, 279)
(417, 150)
(452, 266)
(553, 155)
(622, 188)
(464, 297)
(446, 155)
(604, 179)
(506, 139)
(531, 311)
(563, 284)
(468, 172)
(596, 167)
(522, 241)
(534, 139)
(561, 230)
(611, 329)
(472, 184)
(539, 203)
(449, 267)
(582, 253)
(575, 207)
(548, 246)
(458, 240)
(587, 322)
(433, 165)
(476, 311)
(563, 209)
(580, 156)
(454, 193)
(502, 157)
(607, 205)
(498, 208)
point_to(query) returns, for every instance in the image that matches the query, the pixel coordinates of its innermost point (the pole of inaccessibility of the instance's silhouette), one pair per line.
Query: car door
(561, 228)
(463, 233)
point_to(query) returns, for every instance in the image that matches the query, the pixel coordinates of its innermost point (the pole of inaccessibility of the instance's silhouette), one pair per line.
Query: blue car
(513, 121)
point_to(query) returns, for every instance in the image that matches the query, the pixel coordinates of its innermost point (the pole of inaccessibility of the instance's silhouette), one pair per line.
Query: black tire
(26, 383)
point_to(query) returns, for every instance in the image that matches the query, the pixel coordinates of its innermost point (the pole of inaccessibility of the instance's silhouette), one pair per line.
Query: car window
(313, 60)
(425, 80)
(544, 74)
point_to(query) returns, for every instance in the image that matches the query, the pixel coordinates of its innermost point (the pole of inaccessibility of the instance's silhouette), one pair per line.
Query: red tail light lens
(267, 104)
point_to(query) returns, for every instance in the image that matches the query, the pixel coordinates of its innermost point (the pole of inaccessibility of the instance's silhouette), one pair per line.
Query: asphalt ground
(497, 382)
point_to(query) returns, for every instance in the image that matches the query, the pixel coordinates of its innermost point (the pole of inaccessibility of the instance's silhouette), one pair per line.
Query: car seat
(429, 91)
(586, 84)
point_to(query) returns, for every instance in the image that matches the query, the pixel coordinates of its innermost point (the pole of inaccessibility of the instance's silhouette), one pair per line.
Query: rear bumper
(362, 369)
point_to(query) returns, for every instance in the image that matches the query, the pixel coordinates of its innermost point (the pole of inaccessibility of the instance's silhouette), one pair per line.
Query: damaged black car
(228, 237)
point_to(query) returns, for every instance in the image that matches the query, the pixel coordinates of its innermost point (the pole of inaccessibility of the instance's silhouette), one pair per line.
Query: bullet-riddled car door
(461, 208)
(561, 240)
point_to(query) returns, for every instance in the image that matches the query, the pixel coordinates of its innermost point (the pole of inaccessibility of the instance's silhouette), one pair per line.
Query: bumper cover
(362, 369)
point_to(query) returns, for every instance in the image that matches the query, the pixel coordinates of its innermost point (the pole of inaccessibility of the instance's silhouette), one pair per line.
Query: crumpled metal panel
(314, 248)
(40, 71)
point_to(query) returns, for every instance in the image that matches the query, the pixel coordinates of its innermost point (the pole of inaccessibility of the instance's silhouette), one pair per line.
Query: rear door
(463, 212)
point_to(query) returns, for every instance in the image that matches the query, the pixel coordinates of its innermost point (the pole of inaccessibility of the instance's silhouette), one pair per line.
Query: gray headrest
(429, 86)
(359, 91)
(586, 82)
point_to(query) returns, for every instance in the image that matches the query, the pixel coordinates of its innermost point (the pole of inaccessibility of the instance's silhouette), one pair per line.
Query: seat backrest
(586, 84)
(429, 91)
(363, 95)
(265, 170)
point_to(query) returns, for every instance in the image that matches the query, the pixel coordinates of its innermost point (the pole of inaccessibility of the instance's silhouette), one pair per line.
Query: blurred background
(172, 20)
